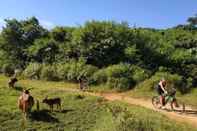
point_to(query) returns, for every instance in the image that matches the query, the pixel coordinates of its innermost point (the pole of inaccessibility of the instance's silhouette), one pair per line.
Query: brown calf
(11, 82)
(53, 101)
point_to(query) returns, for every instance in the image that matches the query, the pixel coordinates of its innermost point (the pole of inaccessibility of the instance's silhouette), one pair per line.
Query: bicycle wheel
(156, 102)
(178, 106)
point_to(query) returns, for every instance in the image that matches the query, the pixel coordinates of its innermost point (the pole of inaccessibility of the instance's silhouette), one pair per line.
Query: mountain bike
(171, 100)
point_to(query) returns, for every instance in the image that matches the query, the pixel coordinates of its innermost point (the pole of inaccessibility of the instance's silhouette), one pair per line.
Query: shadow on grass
(66, 110)
(18, 88)
(43, 115)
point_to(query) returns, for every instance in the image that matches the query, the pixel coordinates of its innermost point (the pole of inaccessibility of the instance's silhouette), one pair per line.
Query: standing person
(161, 90)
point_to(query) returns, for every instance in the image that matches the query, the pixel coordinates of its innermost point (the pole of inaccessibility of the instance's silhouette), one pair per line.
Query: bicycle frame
(168, 98)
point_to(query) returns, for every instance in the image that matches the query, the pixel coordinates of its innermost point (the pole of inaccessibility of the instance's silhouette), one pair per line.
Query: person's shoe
(163, 107)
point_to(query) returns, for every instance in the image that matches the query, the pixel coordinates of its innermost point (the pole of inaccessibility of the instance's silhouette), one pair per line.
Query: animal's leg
(52, 107)
(37, 105)
(60, 106)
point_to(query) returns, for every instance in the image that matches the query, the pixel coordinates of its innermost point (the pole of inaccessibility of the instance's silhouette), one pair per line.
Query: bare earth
(189, 116)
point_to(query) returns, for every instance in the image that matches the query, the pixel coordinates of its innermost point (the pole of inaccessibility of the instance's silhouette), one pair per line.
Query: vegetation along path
(190, 115)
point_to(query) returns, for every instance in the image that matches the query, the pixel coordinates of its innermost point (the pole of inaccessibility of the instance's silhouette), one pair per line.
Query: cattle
(25, 102)
(12, 82)
(83, 84)
(52, 101)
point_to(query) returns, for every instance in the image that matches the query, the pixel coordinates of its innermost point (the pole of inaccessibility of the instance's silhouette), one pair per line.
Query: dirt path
(190, 115)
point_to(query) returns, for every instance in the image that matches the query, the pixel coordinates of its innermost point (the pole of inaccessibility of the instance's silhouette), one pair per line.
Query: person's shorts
(160, 91)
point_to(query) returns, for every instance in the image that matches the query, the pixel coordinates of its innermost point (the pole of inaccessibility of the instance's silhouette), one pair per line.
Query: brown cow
(53, 101)
(12, 82)
(25, 102)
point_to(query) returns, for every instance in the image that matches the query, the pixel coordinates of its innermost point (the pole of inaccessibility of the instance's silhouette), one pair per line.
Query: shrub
(49, 72)
(62, 70)
(8, 69)
(88, 71)
(119, 76)
(33, 71)
(120, 83)
(122, 76)
(173, 81)
(139, 74)
(100, 77)
(73, 70)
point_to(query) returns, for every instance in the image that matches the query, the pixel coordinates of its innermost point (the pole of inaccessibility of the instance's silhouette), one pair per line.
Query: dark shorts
(159, 90)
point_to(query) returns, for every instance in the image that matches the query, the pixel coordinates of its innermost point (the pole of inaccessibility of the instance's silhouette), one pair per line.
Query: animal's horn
(29, 89)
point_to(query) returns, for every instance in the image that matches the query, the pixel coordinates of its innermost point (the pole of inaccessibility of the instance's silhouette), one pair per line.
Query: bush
(139, 74)
(33, 71)
(100, 77)
(173, 81)
(8, 69)
(120, 83)
(49, 72)
(122, 76)
(88, 71)
(62, 70)
(73, 70)
(119, 76)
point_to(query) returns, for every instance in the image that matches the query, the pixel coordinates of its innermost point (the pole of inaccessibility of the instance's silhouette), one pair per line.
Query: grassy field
(80, 112)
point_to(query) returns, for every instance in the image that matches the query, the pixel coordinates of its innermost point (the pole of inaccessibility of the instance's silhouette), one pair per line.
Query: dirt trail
(190, 116)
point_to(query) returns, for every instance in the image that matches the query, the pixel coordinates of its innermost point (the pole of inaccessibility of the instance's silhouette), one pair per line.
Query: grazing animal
(25, 102)
(53, 101)
(83, 84)
(12, 82)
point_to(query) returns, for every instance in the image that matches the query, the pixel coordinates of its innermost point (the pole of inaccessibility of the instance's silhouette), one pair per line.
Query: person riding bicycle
(161, 90)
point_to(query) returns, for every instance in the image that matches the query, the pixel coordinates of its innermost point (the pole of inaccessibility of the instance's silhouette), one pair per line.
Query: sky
(142, 13)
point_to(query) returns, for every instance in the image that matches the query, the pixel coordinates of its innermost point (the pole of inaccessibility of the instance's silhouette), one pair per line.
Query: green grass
(80, 112)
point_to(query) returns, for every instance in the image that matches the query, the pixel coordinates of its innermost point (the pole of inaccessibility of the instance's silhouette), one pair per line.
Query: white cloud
(47, 24)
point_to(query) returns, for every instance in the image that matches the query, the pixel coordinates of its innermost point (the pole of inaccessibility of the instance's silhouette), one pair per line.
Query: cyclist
(161, 90)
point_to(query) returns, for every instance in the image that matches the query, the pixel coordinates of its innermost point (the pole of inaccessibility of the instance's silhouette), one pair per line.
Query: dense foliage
(105, 52)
